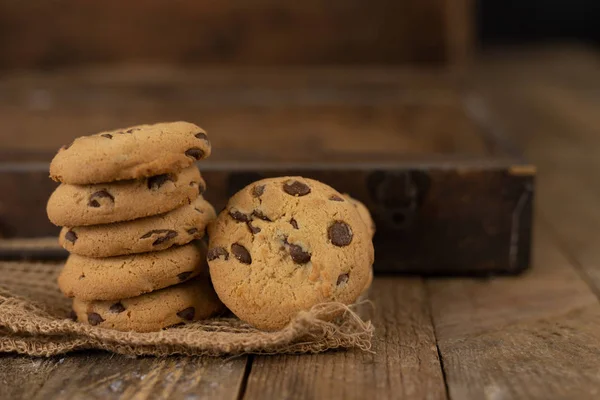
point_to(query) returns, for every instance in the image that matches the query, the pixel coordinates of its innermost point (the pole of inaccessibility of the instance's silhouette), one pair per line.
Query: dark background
(534, 21)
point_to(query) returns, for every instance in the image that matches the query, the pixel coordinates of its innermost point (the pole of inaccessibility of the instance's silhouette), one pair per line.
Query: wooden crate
(43, 34)
(446, 192)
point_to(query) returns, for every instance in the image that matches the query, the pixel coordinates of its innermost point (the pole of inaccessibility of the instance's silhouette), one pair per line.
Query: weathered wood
(99, 375)
(21, 376)
(36, 34)
(404, 363)
(293, 115)
(535, 336)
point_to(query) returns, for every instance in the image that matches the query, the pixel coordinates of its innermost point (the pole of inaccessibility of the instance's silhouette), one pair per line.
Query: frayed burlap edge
(26, 327)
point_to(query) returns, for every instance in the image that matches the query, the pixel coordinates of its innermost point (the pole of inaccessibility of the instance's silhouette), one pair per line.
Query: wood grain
(535, 336)
(99, 375)
(296, 115)
(68, 32)
(404, 363)
(21, 376)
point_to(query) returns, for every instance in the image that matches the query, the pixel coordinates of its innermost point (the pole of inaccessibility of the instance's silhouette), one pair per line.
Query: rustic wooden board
(22, 377)
(404, 363)
(36, 34)
(99, 375)
(535, 336)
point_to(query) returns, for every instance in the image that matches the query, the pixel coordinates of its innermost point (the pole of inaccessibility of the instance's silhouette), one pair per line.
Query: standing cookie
(103, 203)
(155, 233)
(364, 213)
(186, 302)
(130, 153)
(285, 244)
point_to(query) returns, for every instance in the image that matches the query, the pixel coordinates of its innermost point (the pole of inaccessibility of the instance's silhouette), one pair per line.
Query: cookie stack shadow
(134, 220)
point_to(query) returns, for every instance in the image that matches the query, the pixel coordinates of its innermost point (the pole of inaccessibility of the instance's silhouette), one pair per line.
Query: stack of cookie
(131, 207)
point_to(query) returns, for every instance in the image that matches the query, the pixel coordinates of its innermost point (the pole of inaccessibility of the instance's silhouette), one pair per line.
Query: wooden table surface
(532, 336)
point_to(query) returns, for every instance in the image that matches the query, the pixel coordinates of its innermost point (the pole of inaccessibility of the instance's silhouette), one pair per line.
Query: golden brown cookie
(285, 244)
(190, 301)
(154, 233)
(130, 153)
(81, 205)
(121, 277)
(364, 213)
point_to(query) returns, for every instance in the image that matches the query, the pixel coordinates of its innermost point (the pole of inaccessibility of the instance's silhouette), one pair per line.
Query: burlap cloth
(34, 320)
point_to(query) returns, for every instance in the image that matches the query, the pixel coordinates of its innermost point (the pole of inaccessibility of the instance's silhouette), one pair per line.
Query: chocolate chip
(73, 316)
(340, 234)
(258, 190)
(195, 152)
(241, 253)
(217, 252)
(107, 135)
(259, 214)
(71, 236)
(202, 136)
(184, 276)
(298, 255)
(343, 278)
(199, 210)
(94, 318)
(253, 229)
(155, 182)
(168, 234)
(187, 313)
(117, 308)
(335, 197)
(201, 188)
(294, 223)
(132, 130)
(192, 231)
(238, 216)
(101, 194)
(295, 188)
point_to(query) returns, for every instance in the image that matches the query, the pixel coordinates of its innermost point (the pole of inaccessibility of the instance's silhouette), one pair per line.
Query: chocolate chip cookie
(130, 153)
(364, 213)
(285, 244)
(186, 302)
(81, 205)
(121, 277)
(154, 233)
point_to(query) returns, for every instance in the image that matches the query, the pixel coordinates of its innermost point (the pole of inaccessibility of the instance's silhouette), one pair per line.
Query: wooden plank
(404, 363)
(460, 33)
(298, 115)
(37, 35)
(99, 375)
(21, 377)
(535, 336)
